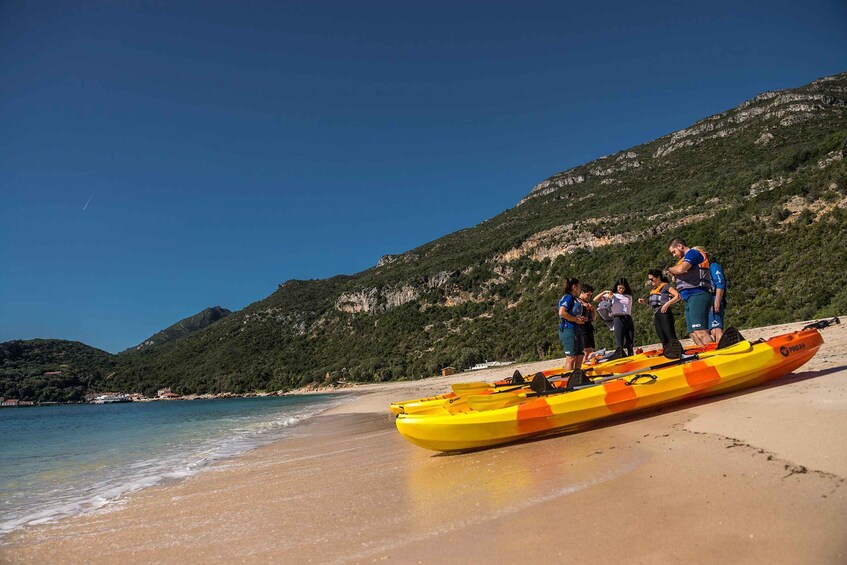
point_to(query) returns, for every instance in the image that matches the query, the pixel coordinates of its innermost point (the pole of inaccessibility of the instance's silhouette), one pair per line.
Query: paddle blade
(429, 408)
(495, 401)
(460, 388)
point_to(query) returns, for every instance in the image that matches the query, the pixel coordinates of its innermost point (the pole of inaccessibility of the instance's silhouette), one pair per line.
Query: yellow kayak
(456, 400)
(516, 416)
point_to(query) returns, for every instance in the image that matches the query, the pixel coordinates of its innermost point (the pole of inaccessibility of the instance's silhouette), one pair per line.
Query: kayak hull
(735, 368)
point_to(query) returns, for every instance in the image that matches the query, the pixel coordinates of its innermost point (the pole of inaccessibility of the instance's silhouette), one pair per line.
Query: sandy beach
(754, 477)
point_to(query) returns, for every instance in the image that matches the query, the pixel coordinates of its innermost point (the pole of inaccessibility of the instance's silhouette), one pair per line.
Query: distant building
(447, 371)
(52, 373)
(166, 393)
(10, 402)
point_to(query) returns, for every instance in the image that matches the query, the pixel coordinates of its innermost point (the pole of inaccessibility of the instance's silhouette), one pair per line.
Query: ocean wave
(183, 456)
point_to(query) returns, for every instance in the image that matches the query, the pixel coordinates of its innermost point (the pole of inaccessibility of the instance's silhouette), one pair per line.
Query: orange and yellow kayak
(492, 420)
(456, 400)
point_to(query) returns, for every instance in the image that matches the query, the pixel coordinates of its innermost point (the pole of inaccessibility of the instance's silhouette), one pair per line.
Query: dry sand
(755, 477)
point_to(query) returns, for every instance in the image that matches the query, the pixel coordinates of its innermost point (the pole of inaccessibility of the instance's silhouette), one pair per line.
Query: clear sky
(160, 157)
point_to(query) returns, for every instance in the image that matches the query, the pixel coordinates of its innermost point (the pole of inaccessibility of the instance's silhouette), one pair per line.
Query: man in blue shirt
(718, 309)
(694, 283)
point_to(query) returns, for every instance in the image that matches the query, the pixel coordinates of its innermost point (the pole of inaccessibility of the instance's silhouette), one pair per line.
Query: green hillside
(52, 370)
(762, 186)
(184, 327)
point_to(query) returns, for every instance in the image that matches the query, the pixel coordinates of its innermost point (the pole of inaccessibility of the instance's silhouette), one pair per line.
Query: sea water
(63, 460)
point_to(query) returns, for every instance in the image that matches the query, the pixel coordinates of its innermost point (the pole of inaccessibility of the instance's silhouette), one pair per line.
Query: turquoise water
(63, 460)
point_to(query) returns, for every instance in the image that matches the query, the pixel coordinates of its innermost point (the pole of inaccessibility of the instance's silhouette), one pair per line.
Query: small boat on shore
(111, 399)
(496, 418)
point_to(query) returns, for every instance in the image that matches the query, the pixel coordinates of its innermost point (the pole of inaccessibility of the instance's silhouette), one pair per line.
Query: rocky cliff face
(764, 115)
(758, 121)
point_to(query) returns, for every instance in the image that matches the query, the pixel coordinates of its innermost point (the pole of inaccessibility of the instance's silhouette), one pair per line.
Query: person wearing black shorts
(588, 311)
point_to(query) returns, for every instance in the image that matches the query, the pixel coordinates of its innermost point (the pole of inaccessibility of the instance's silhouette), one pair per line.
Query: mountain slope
(184, 327)
(763, 186)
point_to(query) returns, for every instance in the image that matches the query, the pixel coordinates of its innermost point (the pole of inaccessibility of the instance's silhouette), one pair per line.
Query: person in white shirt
(621, 300)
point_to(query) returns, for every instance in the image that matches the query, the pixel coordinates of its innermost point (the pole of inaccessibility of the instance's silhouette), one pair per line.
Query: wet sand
(755, 477)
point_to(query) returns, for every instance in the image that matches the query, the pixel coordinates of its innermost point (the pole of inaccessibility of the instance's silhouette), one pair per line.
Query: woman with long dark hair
(662, 296)
(621, 312)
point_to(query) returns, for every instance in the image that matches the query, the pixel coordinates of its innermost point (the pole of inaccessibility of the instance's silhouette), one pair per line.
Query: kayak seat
(540, 384)
(618, 354)
(517, 378)
(673, 350)
(578, 378)
(730, 336)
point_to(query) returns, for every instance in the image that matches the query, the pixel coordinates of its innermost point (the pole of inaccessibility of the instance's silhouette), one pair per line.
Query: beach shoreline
(756, 476)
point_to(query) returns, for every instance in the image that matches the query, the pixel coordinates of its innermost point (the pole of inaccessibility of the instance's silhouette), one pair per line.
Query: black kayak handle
(634, 380)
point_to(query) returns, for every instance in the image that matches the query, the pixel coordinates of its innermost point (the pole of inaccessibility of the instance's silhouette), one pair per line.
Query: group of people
(699, 282)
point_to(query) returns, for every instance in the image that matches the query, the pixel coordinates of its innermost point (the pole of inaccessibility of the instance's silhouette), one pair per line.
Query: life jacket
(574, 310)
(588, 311)
(621, 307)
(604, 311)
(659, 296)
(698, 276)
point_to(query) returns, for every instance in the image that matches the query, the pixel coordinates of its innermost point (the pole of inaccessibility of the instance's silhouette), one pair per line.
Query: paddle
(672, 350)
(459, 388)
(465, 388)
(498, 400)
(436, 405)
(515, 379)
(456, 401)
(822, 324)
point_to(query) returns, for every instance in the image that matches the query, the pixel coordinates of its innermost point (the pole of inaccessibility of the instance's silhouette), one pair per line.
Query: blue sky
(226, 147)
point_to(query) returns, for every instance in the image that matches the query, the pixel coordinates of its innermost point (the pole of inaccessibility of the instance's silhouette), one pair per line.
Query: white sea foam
(233, 436)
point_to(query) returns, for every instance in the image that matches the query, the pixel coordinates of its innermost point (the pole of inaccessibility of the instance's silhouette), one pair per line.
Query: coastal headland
(753, 477)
